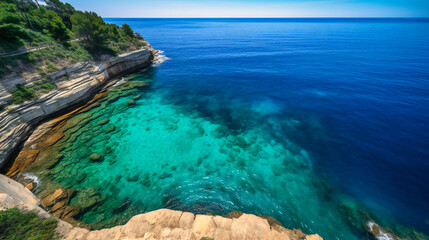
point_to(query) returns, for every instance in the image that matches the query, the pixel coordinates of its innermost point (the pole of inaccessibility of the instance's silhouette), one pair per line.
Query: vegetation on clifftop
(69, 35)
(25, 225)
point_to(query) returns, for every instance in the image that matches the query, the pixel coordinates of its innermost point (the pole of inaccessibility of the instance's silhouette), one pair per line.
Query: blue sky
(255, 8)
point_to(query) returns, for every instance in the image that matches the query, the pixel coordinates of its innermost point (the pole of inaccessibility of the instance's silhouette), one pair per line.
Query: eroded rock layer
(76, 84)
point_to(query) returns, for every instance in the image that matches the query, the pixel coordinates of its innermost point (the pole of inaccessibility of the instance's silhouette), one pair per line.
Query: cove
(283, 119)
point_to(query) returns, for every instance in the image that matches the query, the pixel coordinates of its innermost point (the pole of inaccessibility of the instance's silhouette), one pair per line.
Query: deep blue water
(360, 88)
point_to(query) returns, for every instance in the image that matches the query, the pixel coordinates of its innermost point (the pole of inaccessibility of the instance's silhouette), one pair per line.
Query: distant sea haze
(295, 118)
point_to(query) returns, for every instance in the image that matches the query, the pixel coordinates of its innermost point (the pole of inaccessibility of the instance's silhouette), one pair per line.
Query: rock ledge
(76, 85)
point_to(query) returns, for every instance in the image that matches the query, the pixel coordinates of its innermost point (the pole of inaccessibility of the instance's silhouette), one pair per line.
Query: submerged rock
(165, 175)
(137, 96)
(133, 178)
(80, 177)
(96, 157)
(241, 142)
(111, 128)
(55, 197)
(88, 198)
(131, 102)
(104, 121)
(125, 203)
(70, 212)
(137, 84)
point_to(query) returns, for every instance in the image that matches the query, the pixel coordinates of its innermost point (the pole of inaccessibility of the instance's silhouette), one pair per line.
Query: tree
(127, 30)
(45, 19)
(9, 14)
(114, 32)
(64, 10)
(24, 6)
(91, 28)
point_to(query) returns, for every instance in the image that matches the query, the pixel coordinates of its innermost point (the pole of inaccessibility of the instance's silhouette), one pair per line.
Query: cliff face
(160, 224)
(76, 85)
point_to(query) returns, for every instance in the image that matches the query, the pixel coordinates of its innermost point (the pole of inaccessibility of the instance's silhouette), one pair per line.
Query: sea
(320, 123)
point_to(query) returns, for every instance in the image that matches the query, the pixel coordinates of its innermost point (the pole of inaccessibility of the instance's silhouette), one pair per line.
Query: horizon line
(274, 17)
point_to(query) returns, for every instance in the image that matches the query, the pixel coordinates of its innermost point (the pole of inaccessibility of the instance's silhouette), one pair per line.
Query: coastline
(79, 91)
(76, 85)
(98, 82)
(159, 224)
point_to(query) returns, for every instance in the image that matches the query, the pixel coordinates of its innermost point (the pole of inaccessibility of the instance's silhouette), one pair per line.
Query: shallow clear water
(294, 119)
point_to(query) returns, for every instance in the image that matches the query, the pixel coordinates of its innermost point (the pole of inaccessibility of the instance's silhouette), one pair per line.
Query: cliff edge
(75, 85)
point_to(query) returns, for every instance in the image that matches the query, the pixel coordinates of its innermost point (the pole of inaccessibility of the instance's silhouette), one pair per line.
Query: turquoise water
(315, 123)
(162, 156)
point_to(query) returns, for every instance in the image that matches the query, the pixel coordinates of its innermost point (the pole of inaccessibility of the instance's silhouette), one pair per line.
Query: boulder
(131, 102)
(70, 211)
(88, 198)
(80, 177)
(96, 157)
(55, 197)
(57, 206)
(111, 128)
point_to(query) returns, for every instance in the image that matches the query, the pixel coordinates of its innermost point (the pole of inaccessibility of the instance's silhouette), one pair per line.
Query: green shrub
(127, 30)
(47, 87)
(22, 94)
(12, 32)
(25, 225)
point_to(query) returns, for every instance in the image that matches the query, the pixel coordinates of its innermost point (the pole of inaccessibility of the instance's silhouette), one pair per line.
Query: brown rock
(233, 214)
(57, 206)
(59, 212)
(375, 230)
(96, 157)
(70, 211)
(49, 141)
(24, 159)
(272, 221)
(55, 197)
(31, 186)
(131, 102)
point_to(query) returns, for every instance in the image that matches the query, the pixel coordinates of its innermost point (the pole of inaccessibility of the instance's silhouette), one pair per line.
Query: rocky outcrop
(169, 224)
(13, 194)
(160, 224)
(76, 85)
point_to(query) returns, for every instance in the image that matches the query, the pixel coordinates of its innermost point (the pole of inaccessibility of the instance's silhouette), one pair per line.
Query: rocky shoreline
(160, 224)
(27, 141)
(81, 85)
(76, 85)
